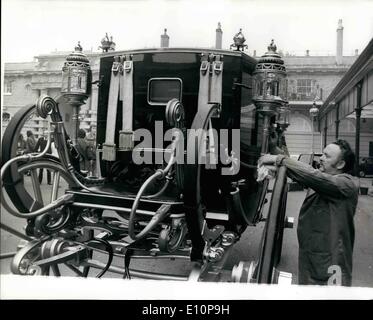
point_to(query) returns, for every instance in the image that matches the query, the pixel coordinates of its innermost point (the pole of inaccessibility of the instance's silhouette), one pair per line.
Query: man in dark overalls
(326, 220)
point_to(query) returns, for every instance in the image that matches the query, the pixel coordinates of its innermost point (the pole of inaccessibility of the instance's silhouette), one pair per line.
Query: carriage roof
(223, 52)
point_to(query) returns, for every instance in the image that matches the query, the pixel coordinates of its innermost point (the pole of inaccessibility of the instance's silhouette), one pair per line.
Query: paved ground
(246, 249)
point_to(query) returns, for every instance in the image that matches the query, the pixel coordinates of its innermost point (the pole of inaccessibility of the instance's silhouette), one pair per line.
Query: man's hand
(266, 166)
(267, 159)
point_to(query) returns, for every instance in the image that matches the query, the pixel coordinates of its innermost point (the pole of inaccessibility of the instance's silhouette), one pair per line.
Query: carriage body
(163, 74)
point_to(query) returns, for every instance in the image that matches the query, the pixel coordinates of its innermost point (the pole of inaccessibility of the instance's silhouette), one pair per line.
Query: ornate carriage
(179, 134)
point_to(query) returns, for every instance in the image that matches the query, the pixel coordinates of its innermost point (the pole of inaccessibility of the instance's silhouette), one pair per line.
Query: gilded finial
(239, 41)
(107, 43)
(78, 48)
(272, 47)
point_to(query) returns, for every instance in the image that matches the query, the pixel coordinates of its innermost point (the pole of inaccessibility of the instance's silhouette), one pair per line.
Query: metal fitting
(289, 222)
(228, 238)
(243, 271)
(215, 254)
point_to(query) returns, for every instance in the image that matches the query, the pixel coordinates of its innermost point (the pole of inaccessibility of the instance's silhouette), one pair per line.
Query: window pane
(163, 90)
(8, 87)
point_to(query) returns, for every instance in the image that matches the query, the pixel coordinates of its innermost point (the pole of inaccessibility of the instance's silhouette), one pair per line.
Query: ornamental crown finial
(272, 47)
(107, 43)
(239, 40)
(78, 47)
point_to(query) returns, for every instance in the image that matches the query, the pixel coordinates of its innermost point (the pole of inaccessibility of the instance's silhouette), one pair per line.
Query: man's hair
(29, 133)
(347, 155)
(81, 133)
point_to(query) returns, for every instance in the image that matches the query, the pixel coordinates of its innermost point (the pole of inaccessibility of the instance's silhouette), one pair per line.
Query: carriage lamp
(270, 89)
(76, 84)
(314, 111)
(283, 117)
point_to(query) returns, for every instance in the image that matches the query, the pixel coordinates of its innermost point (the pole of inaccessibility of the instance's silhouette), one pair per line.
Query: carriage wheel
(35, 196)
(192, 175)
(271, 245)
(21, 182)
(14, 178)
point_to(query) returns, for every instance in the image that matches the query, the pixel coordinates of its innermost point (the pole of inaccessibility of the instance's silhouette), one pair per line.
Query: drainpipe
(337, 121)
(325, 131)
(357, 134)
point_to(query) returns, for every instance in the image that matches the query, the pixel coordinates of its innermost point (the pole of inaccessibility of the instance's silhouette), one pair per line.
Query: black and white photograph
(186, 150)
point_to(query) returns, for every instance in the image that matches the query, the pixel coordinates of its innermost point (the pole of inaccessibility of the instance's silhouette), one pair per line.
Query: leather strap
(109, 148)
(210, 91)
(204, 84)
(216, 84)
(126, 134)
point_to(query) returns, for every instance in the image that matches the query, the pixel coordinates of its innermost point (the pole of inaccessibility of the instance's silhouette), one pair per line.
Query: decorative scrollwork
(23, 260)
(270, 66)
(45, 105)
(52, 222)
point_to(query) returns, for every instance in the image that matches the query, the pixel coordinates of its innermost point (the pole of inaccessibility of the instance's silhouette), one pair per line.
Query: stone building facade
(311, 79)
(24, 83)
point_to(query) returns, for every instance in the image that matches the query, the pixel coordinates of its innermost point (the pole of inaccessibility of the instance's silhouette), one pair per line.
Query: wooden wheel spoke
(55, 185)
(56, 270)
(45, 271)
(36, 186)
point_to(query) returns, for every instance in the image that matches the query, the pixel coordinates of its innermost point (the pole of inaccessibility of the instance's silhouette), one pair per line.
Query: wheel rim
(192, 182)
(270, 251)
(12, 179)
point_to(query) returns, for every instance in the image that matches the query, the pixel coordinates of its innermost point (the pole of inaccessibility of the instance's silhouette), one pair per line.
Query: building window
(304, 89)
(28, 88)
(292, 90)
(299, 122)
(8, 87)
(6, 117)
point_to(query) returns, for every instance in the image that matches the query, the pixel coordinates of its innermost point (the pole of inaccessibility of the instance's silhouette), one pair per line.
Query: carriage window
(162, 90)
